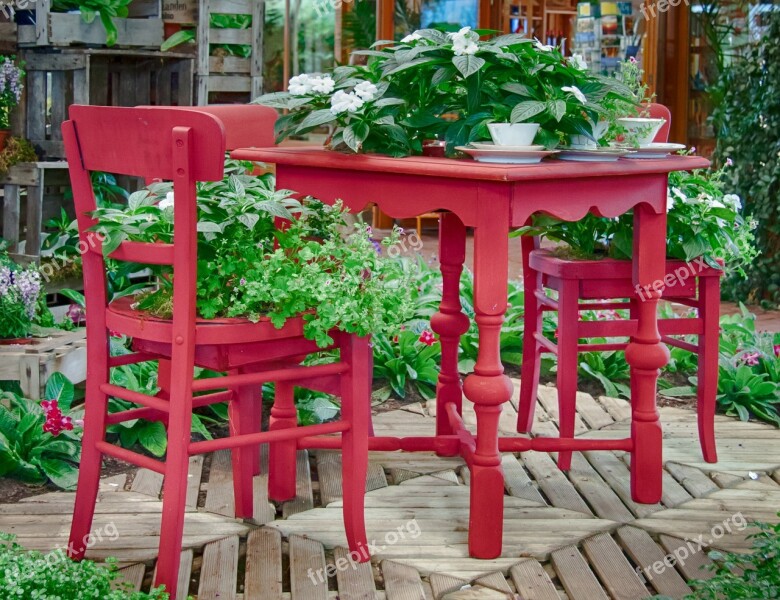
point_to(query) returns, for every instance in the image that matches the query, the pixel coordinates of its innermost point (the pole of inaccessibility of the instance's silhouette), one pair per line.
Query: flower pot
(642, 130)
(581, 142)
(4, 135)
(28, 341)
(513, 134)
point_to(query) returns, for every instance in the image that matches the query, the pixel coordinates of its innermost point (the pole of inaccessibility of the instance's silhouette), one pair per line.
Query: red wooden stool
(577, 280)
(187, 146)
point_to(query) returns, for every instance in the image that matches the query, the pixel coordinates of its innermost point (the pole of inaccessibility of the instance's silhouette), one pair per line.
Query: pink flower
(402, 328)
(777, 350)
(55, 421)
(750, 359)
(427, 338)
(729, 162)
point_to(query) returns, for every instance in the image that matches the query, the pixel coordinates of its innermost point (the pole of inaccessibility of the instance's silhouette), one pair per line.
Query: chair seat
(123, 318)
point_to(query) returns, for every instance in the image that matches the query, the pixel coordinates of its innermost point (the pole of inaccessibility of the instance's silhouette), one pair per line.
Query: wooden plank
(618, 409)
(517, 482)
(185, 573)
(619, 577)
(115, 483)
(604, 502)
(495, 581)
(219, 493)
(693, 480)
(229, 83)
(553, 483)
(329, 476)
(649, 556)
(304, 498)
(308, 576)
(355, 580)
(401, 581)
(575, 575)
(11, 210)
(615, 472)
(134, 575)
(193, 480)
(229, 64)
(532, 582)
(230, 36)
(263, 564)
(548, 398)
(34, 220)
(219, 569)
(147, 482)
(592, 412)
(442, 584)
(66, 29)
(231, 7)
(692, 562)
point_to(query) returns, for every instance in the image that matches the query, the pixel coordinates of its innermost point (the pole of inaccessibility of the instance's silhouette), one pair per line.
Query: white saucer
(593, 154)
(656, 150)
(500, 154)
(492, 146)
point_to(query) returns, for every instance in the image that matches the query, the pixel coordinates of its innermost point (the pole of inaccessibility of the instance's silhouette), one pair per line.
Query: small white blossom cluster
(412, 37)
(731, 201)
(576, 92)
(576, 61)
(464, 41)
(304, 84)
(340, 102)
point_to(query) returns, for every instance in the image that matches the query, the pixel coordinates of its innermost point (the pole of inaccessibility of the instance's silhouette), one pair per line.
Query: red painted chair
(594, 281)
(186, 146)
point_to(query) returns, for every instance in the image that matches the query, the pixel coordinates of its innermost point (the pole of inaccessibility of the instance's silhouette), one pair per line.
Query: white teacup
(642, 129)
(513, 134)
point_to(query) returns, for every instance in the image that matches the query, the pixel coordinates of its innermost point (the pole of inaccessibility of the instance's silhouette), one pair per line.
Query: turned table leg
(488, 388)
(646, 355)
(450, 322)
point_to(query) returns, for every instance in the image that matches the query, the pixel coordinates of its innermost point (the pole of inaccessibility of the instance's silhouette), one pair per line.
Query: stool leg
(355, 351)
(567, 364)
(709, 309)
(241, 415)
(91, 458)
(532, 353)
(175, 483)
(281, 455)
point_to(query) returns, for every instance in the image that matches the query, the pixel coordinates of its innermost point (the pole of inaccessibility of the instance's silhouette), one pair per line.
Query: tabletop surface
(466, 168)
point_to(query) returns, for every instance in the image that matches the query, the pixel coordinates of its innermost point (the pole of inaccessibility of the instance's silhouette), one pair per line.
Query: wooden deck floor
(567, 536)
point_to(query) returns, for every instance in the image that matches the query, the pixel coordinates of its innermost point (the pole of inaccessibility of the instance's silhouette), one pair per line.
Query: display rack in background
(550, 21)
(605, 34)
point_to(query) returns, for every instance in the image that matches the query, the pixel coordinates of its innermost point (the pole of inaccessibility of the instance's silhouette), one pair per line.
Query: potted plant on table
(11, 76)
(452, 86)
(20, 291)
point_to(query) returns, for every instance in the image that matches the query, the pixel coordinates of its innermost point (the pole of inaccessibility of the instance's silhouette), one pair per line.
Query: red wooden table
(493, 199)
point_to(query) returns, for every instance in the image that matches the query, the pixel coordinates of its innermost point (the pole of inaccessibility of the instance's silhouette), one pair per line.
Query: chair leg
(241, 412)
(529, 370)
(568, 319)
(175, 483)
(91, 460)
(356, 352)
(370, 382)
(282, 455)
(709, 309)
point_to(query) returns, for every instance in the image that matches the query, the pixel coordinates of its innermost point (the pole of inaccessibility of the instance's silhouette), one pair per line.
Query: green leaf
(468, 64)
(526, 110)
(180, 37)
(62, 473)
(152, 436)
(75, 296)
(355, 134)
(558, 109)
(60, 388)
(315, 119)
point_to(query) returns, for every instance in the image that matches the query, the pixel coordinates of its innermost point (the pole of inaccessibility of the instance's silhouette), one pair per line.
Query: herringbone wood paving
(567, 535)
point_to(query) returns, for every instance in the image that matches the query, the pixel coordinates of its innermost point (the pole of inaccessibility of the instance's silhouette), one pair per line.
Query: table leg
(488, 388)
(646, 355)
(450, 322)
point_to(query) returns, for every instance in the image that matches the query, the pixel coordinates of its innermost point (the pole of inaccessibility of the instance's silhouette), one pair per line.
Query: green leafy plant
(747, 125)
(449, 85)
(745, 576)
(52, 576)
(16, 150)
(105, 10)
(38, 442)
(410, 359)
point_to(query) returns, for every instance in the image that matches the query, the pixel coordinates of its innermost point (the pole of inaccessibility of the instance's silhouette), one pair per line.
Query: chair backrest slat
(659, 111)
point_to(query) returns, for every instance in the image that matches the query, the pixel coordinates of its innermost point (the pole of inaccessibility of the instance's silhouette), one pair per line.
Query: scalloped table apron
(493, 199)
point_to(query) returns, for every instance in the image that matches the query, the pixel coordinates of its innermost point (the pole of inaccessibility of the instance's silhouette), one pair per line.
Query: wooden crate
(44, 184)
(230, 74)
(57, 78)
(32, 365)
(66, 29)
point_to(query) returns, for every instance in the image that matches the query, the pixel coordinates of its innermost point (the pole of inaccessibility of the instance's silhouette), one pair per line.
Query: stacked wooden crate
(230, 74)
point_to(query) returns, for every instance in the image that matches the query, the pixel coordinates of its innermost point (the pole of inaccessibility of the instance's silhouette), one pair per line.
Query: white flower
(300, 85)
(344, 102)
(322, 85)
(576, 61)
(464, 47)
(167, 202)
(366, 91)
(412, 37)
(733, 201)
(576, 91)
(717, 204)
(669, 201)
(542, 47)
(680, 195)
